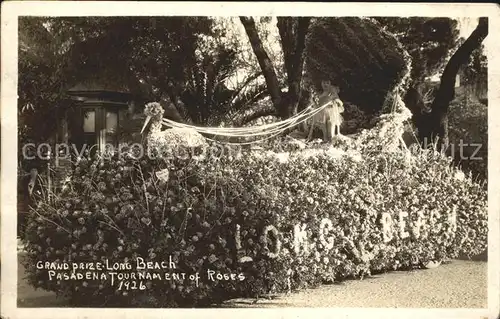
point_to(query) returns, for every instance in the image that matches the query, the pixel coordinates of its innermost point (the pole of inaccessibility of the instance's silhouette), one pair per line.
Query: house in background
(101, 111)
(97, 111)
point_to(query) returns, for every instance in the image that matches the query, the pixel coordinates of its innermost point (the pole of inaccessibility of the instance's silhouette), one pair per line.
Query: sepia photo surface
(218, 159)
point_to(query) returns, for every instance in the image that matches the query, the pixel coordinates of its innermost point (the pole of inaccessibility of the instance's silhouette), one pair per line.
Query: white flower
(459, 175)
(245, 259)
(153, 109)
(355, 156)
(200, 157)
(282, 157)
(317, 256)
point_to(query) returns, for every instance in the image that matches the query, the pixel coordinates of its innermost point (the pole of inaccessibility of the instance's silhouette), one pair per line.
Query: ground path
(460, 284)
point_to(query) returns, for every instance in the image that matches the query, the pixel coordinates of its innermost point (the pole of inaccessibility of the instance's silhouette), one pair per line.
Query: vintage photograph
(252, 162)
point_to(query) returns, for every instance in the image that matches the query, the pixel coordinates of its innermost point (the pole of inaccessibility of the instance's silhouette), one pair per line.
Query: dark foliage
(355, 55)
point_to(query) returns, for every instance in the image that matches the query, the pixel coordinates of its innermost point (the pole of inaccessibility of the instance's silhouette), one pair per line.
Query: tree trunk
(265, 62)
(434, 125)
(414, 101)
(293, 33)
(267, 111)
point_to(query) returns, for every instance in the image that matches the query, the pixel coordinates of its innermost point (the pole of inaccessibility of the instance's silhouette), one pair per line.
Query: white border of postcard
(12, 9)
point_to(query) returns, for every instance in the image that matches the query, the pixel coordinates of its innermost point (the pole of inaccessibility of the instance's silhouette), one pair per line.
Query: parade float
(224, 221)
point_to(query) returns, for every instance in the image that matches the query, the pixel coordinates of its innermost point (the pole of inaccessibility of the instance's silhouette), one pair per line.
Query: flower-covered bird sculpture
(167, 140)
(154, 114)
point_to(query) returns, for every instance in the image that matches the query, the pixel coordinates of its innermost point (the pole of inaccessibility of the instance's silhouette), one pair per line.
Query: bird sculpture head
(154, 112)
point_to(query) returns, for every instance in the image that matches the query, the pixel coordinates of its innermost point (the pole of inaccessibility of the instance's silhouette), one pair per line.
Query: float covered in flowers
(222, 222)
(253, 222)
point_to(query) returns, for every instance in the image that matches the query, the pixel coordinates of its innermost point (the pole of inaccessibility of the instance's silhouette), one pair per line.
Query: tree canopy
(180, 60)
(355, 55)
(428, 40)
(207, 73)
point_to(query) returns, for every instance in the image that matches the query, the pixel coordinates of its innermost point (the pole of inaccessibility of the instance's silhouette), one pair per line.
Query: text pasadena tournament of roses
(141, 265)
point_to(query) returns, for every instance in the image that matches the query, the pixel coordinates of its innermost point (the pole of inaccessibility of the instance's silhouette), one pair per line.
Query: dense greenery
(469, 127)
(475, 73)
(429, 41)
(366, 65)
(182, 60)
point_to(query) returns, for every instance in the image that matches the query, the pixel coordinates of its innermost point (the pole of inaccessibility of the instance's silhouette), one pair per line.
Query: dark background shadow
(481, 257)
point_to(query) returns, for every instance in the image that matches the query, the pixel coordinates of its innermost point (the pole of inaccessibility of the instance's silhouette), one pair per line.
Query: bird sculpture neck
(156, 126)
(155, 138)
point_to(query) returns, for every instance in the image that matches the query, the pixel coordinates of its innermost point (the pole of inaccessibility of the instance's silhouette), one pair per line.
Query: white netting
(265, 131)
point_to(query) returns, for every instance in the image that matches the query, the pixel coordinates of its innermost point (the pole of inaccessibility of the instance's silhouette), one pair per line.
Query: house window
(89, 122)
(100, 128)
(89, 129)
(112, 128)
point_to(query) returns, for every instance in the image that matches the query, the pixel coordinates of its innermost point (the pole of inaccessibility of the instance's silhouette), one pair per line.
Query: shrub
(354, 119)
(468, 123)
(343, 203)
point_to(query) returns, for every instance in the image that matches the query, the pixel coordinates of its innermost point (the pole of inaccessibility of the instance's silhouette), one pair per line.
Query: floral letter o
(272, 229)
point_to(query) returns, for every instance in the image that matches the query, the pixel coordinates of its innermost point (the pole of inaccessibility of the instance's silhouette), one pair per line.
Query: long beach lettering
(300, 242)
(418, 224)
(326, 226)
(277, 245)
(141, 264)
(387, 227)
(402, 225)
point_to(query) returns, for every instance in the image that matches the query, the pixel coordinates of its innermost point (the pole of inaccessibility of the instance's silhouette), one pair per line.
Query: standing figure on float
(331, 116)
